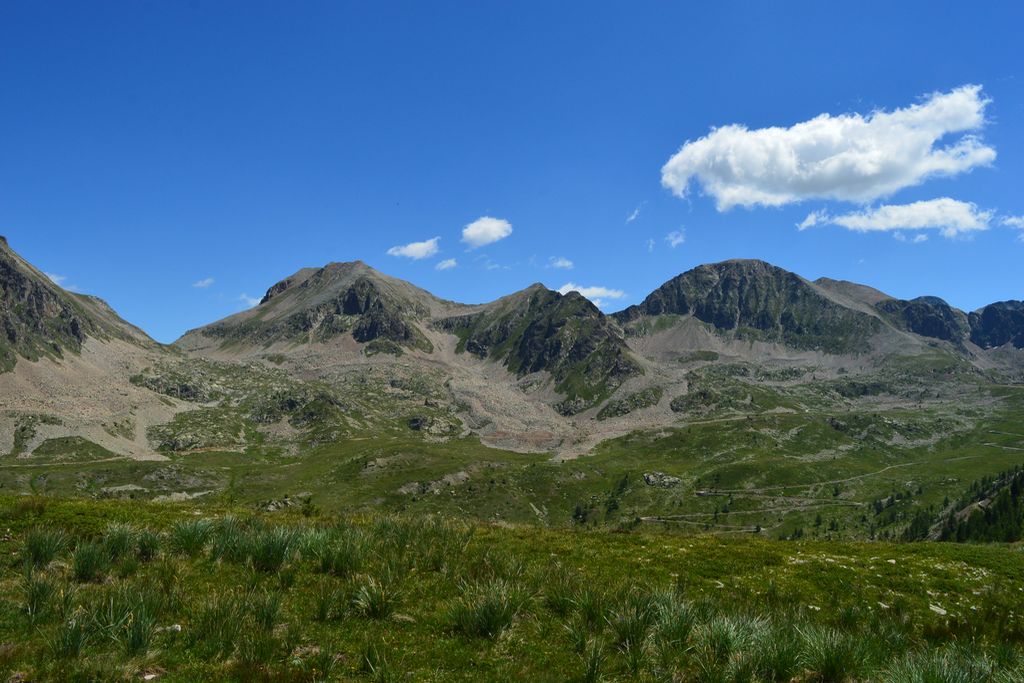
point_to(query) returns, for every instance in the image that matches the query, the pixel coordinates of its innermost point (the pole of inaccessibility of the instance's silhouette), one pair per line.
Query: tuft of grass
(70, 639)
(39, 593)
(189, 537)
(593, 662)
(832, 656)
(487, 610)
(217, 625)
(265, 609)
(559, 591)
(147, 545)
(376, 598)
(90, 562)
(119, 540)
(775, 655)
(42, 546)
(270, 549)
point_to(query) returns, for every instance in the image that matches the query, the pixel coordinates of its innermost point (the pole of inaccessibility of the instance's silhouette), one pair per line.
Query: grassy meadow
(112, 590)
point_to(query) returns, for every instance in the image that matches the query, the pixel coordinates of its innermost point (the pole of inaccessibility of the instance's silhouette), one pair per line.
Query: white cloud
(849, 157)
(920, 237)
(676, 237)
(650, 244)
(560, 262)
(636, 213)
(59, 280)
(485, 230)
(598, 295)
(1013, 222)
(950, 217)
(416, 250)
(447, 264)
(248, 300)
(204, 283)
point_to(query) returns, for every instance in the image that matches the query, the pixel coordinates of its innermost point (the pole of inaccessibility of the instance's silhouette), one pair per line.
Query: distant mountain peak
(756, 300)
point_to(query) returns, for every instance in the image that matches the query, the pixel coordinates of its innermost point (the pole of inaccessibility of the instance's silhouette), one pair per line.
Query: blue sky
(147, 147)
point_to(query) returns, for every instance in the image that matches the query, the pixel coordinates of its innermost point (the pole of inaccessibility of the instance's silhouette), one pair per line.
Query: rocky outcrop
(927, 316)
(998, 324)
(37, 318)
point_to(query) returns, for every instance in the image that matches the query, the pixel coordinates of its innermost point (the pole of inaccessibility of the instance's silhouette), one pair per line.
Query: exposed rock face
(998, 324)
(38, 318)
(756, 300)
(317, 304)
(541, 330)
(928, 317)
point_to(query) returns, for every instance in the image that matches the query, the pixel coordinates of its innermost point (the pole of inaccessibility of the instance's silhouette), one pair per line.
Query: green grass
(506, 603)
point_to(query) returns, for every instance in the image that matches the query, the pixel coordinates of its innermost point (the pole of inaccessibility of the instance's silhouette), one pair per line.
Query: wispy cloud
(204, 283)
(900, 236)
(447, 264)
(598, 295)
(676, 237)
(416, 250)
(636, 213)
(650, 244)
(486, 230)
(59, 280)
(248, 300)
(849, 157)
(950, 217)
(560, 262)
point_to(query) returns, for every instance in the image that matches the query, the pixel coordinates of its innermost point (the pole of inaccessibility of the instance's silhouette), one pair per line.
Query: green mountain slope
(541, 330)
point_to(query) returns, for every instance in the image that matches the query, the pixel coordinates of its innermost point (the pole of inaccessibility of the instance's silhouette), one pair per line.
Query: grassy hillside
(120, 591)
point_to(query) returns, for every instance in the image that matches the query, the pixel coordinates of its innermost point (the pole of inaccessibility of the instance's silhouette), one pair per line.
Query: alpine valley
(735, 397)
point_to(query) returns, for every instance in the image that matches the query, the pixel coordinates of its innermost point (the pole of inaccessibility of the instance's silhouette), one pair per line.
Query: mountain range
(534, 371)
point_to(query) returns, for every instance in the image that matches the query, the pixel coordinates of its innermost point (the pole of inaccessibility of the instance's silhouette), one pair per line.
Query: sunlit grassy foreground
(126, 591)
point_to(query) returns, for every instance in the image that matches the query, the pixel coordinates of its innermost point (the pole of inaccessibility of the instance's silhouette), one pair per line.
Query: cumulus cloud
(447, 264)
(950, 217)
(1010, 222)
(598, 295)
(248, 300)
(204, 283)
(416, 250)
(485, 230)
(849, 157)
(560, 262)
(676, 237)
